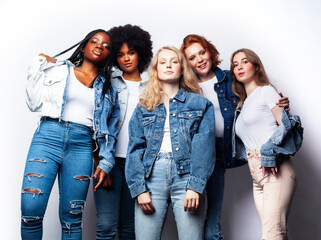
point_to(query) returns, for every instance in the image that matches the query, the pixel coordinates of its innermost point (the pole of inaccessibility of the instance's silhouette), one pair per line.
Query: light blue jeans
(63, 149)
(115, 207)
(167, 186)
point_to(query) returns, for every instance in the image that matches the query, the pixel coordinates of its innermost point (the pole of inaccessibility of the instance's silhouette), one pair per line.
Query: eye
(202, 52)
(174, 61)
(191, 58)
(93, 41)
(106, 45)
(132, 53)
(235, 65)
(120, 55)
(162, 62)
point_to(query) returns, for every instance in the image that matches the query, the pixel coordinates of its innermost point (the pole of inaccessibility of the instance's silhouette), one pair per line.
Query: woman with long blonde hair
(167, 157)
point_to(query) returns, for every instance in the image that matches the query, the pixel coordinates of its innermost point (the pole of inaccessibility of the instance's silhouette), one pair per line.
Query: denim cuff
(196, 184)
(105, 166)
(138, 188)
(268, 161)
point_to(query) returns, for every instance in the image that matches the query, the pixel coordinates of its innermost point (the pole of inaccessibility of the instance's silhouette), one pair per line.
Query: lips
(241, 74)
(202, 66)
(127, 65)
(168, 72)
(97, 52)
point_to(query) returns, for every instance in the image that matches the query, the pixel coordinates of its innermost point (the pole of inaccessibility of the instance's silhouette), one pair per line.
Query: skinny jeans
(62, 149)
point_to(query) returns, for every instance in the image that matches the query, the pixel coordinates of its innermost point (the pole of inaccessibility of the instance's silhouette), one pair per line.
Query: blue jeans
(115, 207)
(215, 193)
(167, 186)
(63, 149)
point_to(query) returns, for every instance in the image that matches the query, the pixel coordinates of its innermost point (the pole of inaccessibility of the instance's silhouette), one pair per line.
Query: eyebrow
(241, 60)
(98, 39)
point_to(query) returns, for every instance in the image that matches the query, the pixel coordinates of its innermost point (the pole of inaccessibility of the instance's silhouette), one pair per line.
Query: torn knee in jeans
(70, 225)
(32, 191)
(37, 160)
(30, 219)
(29, 175)
(82, 178)
(77, 207)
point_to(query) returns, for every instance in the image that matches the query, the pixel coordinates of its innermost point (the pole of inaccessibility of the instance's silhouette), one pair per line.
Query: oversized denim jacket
(285, 140)
(228, 102)
(118, 81)
(46, 93)
(191, 118)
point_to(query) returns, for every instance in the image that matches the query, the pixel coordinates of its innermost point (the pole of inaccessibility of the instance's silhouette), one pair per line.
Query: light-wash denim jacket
(46, 93)
(228, 102)
(285, 140)
(118, 81)
(192, 131)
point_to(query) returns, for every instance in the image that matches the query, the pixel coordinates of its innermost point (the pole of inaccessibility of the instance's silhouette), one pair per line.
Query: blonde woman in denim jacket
(167, 158)
(77, 104)
(269, 135)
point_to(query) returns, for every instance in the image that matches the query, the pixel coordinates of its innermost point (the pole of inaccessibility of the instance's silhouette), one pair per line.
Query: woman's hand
(100, 176)
(48, 59)
(191, 201)
(283, 102)
(145, 202)
(274, 170)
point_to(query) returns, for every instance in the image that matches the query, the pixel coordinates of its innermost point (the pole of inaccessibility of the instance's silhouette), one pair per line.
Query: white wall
(285, 34)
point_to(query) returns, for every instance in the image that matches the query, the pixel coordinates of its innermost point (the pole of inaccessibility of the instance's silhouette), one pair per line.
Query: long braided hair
(77, 57)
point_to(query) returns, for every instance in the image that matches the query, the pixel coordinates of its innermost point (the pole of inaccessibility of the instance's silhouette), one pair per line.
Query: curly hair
(207, 45)
(152, 95)
(136, 38)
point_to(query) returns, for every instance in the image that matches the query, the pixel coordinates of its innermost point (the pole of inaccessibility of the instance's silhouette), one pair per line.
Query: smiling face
(199, 59)
(128, 59)
(168, 67)
(244, 71)
(97, 48)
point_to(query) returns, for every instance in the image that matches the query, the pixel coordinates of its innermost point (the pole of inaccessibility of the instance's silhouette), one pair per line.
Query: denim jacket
(191, 118)
(228, 102)
(46, 93)
(118, 81)
(285, 140)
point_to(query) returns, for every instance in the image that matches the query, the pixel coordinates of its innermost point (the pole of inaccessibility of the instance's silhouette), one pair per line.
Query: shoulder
(268, 90)
(197, 98)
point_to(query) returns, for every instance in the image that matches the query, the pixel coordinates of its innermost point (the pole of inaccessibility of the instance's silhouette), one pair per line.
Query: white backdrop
(285, 34)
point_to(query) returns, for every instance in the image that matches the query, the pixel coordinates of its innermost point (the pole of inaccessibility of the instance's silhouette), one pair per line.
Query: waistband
(164, 154)
(65, 123)
(254, 152)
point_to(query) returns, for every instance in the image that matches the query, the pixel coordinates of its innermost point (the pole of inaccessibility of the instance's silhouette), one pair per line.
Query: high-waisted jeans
(63, 149)
(272, 195)
(115, 207)
(166, 186)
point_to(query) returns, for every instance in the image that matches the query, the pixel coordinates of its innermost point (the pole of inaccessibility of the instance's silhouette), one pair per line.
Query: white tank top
(80, 101)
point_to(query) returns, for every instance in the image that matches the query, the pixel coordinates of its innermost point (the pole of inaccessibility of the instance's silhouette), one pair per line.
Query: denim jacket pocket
(147, 121)
(190, 120)
(49, 81)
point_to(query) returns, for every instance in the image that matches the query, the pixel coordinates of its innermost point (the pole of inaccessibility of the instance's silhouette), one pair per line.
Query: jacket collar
(220, 75)
(117, 73)
(181, 95)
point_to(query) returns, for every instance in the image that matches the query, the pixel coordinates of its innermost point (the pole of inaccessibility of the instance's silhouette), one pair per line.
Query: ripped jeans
(63, 149)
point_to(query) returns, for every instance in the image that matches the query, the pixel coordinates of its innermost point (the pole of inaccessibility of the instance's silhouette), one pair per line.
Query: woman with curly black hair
(114, 204)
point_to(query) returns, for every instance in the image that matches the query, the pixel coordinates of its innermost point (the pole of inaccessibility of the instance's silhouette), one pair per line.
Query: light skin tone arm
(277, 113)
(191, 201)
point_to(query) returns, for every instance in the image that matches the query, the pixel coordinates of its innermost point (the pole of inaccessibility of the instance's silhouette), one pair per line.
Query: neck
(133, 76)
(250, 87)
(88, 68)
(207, 77)
(170, 90)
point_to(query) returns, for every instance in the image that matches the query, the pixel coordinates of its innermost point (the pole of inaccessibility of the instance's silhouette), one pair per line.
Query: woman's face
(128, 59)
(168, 67)
(199, 59)
(243, 70)
(97, 48)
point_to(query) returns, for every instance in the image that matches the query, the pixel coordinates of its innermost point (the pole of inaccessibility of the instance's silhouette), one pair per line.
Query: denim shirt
(118, 81)
(46, 93)
(192, 132)
(285, 140)
(228, 102)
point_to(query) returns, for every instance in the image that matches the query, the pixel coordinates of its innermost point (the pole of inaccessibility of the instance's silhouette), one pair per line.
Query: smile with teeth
(202, 66)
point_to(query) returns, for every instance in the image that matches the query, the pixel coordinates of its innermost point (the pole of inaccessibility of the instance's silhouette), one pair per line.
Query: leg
(74, 179)
(215, 193)
(107, 203)
(278, 194)
(150, 226)
(126, 229)
(39, 176)
(190, 225)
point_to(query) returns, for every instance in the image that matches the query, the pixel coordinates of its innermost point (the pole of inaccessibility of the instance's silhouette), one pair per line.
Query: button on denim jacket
(118, 81)
(285, 140)
(228, 102)
(192, 132)
(46, 93)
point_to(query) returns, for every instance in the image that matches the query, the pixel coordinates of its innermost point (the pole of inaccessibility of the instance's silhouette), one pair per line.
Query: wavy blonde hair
(261, 77)
(152, 96)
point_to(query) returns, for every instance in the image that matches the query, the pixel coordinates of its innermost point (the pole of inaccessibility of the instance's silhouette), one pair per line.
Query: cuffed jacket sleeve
(107, 142)
(286, 140)
(203, 152)
(134, 169)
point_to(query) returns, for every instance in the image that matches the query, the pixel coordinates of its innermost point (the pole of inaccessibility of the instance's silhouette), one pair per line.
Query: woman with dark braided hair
(77, 104)
(114, 204)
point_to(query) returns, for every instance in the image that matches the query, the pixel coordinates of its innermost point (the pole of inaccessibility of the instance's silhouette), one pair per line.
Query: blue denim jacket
(228, 102)
(191, 120)
(118, 81)
(286, 140)
(46, 93)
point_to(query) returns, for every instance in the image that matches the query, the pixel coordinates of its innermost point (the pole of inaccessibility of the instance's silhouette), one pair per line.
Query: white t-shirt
(210, 94)
(123, 138)
(256, 123)
(80, 102)
(166, 145)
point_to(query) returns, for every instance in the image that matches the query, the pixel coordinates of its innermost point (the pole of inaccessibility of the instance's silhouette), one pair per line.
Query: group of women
(167, 138)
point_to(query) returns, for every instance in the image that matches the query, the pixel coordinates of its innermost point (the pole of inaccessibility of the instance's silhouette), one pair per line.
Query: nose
(126, 57)
(99, 45)
(199, 59)
(168, 65)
